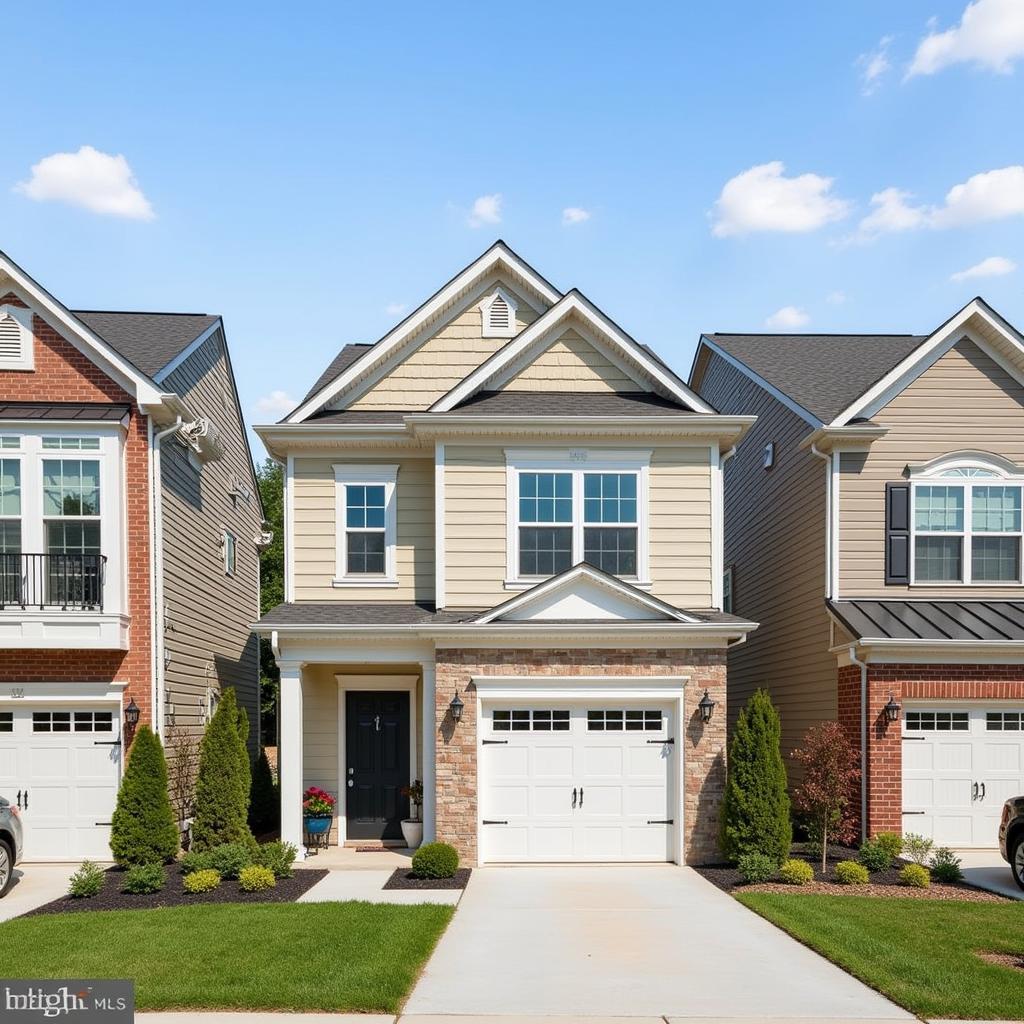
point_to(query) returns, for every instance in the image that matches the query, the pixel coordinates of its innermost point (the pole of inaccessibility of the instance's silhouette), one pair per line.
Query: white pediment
(584, 594)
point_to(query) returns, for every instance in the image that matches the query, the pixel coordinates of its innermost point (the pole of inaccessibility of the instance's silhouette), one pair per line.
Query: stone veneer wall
(702, 746)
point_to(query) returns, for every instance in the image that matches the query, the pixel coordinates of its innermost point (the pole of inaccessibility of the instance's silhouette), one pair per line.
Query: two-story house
(503, 578)
(129, 525)
(873, 528)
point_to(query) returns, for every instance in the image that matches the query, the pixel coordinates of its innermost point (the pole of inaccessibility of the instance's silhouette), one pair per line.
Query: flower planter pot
(318, 826)
(413, 832)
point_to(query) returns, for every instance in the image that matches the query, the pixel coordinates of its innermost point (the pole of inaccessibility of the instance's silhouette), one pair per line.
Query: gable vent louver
(10, 340)
(500, 317)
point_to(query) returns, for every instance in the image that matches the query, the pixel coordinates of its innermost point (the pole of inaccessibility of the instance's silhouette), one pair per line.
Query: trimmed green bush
(87, 880)
(277, 856)
(916, 876)
(193, 861)
(201, 881)
(945, 865)
(256, 878)
(755, 811)
(144, 878)
(756, 867)
(891, 842)
(917, 848)
(143, 829)
(223, 780)
(229, 859)
(435, 860)
(874, 856)
(849, 872)
(264, 799)
(796, 872)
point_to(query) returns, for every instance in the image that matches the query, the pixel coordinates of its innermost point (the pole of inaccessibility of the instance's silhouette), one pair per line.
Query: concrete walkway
(34, 885)
(626, 941)
(987, 870)
(367, 884)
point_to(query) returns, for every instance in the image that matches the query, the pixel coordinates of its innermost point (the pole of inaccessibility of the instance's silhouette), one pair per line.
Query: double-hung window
(366, 517)
(71, 518)
(10, 526)
(576, 507)
(967, 527)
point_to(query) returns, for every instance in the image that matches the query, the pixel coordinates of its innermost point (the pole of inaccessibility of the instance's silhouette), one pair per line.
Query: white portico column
(429, 720)
(289, 757)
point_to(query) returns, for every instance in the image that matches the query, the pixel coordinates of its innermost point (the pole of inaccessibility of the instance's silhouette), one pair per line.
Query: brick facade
(63, 374)
(909, 682)
(702, 746)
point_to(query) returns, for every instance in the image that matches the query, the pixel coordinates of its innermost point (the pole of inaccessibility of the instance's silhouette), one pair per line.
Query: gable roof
(569, 403)
(822, 373)
(342, 361)
(149, 341)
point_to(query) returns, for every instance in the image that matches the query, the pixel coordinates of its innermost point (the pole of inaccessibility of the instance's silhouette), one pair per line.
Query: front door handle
(351, 783)
(574, 798)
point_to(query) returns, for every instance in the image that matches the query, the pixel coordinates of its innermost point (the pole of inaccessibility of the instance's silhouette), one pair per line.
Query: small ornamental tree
(825, 797)
(755, 811)
(143, 829)
(264, 802)
(223, 780)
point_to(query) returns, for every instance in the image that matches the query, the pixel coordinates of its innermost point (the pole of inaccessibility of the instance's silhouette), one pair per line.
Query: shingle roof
(341, 362)
(822, 373)
(970, 620)
(350, 416)
(564, 403)
(147, 340)
(88, 411)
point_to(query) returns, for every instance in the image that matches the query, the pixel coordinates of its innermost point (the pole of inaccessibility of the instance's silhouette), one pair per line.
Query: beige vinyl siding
(320, 728)
(441, 362)
(315, 529)
(965, 401)
(680, 526)
(775, 542)
(571, 363)
(475, 532)
(209, 612)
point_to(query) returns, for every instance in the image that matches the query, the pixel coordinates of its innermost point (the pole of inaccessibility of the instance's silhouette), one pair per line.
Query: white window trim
(578, 462)
(485, 311)
(230, 543)
(23, 317)
(931, 475)
(346, 475)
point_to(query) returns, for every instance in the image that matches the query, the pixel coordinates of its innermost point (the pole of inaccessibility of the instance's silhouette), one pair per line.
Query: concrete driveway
(627, 941)
(987, 870)
(34, 885)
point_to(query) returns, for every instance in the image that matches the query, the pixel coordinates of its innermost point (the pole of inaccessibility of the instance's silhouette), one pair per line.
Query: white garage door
(959, 765)
(577, 782)
(61, 764)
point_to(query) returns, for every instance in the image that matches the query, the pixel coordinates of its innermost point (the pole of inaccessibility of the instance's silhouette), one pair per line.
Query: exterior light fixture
(707, 706)
(891, 709)
(131, 714)
(456, 707)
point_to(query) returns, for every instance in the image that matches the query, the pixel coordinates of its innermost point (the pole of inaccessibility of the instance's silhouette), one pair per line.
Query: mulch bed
(110, 897)
(403, 878)
(1015, 961)
(883, 883)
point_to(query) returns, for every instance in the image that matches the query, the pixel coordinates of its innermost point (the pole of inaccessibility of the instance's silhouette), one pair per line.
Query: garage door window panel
(1004, 721)
(937, 721)
(530, 720)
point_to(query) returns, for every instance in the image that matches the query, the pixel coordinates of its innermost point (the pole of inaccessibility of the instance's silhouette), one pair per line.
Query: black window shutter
(897, 533)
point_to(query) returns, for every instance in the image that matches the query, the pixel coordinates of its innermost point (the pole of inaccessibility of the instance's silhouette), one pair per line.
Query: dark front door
(377, 750)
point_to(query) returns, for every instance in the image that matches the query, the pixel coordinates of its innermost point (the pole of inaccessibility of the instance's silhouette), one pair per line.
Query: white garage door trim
(606, 689)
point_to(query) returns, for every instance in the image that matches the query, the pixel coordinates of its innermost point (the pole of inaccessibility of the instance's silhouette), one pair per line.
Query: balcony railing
(63, 581)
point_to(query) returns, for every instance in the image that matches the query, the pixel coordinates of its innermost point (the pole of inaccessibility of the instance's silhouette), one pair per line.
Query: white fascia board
(779, 396)
(925, 355)
(573, 302)
(188, 350)
(91, 345)
(498, 253)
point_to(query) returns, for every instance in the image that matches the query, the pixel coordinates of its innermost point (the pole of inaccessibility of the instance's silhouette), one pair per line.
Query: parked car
(1011, 837)
(10, 843)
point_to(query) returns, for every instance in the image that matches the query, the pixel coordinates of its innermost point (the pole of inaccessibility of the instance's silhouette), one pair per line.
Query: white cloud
(93, 180)
(574, 215)
(873, 65)
(486, 210)
(764, 199)
(395, 308)
(990, 35)
(275, 405)
(836, 298)
(990, 195)
(992, 266)
(788, 318)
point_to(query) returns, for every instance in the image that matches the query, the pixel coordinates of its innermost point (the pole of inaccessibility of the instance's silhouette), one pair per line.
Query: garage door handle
(661, 821)
(671, 740)
(914, 812)
(103, 823)
(983, 791)
(574, 798)
(974, 793)
(26, 799)
(491, 742)
(106, 743)
(487, 822)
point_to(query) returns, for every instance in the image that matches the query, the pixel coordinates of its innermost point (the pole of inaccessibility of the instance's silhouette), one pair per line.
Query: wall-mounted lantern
(707, 706)
(131, 714)
(456, 707)
(891, 709)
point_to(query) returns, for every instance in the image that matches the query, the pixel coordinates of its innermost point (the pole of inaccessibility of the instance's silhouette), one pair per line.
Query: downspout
(828, 516)
(158, 575)
(863, 740)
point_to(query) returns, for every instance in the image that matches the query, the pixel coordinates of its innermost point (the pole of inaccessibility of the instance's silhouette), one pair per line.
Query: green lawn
(304, 956)
(920, 953)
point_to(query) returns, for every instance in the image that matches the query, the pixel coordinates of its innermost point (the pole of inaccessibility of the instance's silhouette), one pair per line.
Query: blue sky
(311, 174)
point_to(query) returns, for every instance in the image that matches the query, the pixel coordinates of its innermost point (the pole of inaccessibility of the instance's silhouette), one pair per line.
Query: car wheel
(6, 866)
(1017, 860)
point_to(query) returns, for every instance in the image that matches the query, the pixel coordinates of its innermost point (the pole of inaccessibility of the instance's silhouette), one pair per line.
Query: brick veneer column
(63, 374)
(703, 747)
